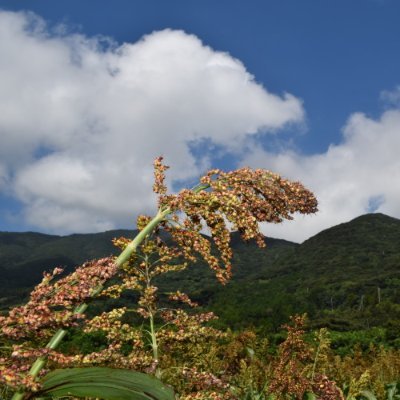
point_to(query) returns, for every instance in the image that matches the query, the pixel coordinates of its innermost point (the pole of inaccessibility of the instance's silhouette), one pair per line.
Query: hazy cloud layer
(82, 119)
(360, 175)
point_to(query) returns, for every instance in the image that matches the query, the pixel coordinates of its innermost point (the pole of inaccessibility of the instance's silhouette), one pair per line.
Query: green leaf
(104, 383)
(309, 396)
(368, 395)
(392, 390)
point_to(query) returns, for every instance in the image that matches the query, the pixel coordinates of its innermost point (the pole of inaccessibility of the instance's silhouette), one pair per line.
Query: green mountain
(346, 277)
(25, 256)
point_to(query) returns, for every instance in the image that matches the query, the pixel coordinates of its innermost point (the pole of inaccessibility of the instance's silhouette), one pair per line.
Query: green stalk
(132, 246)
(38, 365)
(154, 344)
(152, 312)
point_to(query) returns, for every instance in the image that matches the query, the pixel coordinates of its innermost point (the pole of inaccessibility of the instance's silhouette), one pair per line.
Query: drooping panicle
(238, 200)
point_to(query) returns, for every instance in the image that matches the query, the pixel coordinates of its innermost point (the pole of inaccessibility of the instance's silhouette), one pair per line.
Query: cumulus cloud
(81, 121)
(357, 176)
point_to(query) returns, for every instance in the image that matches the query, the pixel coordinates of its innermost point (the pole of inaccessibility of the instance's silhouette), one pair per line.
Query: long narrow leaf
(104, 383)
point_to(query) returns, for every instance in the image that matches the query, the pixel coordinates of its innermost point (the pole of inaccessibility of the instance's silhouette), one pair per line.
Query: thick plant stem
(154, 346)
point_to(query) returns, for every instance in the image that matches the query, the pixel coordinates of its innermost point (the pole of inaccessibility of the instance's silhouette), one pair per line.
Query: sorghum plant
(222, 201)
(294, 354)
(292, 378)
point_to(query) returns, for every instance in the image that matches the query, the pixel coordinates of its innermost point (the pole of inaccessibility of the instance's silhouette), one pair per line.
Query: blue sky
(93, 90)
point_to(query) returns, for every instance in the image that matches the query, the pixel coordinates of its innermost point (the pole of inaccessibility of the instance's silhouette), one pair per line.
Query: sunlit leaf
(104, 383)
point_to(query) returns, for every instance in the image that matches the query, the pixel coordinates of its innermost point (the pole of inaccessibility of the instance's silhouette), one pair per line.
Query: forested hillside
(346, 277)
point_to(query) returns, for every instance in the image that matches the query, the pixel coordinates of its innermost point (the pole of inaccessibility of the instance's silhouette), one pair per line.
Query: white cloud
(391, 97)
(360, 175)
(80, 124)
